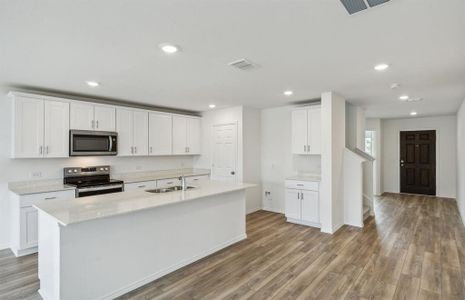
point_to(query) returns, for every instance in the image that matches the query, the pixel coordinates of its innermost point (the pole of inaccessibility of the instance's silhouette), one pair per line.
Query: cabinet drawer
(197, 179)
(302, 185)
(168, 182)
(145, 185)
(29, 200)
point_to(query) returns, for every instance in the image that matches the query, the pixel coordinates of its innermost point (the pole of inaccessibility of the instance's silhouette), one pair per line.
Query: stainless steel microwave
(92, 143)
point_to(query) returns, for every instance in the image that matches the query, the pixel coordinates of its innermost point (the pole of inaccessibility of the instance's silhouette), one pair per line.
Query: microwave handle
(111, 143)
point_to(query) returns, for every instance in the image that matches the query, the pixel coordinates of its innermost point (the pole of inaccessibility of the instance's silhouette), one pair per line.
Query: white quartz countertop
(156, 175)
(78, 210)
(38, 186)
(306, 177)
(55, 185)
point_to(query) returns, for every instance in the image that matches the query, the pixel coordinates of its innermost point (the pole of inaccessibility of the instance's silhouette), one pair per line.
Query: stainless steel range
(91, 181)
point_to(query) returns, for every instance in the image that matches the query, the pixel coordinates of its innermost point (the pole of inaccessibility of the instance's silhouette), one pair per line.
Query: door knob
(233, 173)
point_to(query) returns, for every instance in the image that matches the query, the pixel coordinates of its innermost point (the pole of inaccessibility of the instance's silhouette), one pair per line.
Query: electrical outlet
(36, 174)
(268, 196)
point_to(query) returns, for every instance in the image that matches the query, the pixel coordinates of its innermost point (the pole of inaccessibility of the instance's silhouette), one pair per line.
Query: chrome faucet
(183, 182)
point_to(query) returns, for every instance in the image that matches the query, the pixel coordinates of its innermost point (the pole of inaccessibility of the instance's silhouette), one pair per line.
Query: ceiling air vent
(242, 64)
(376, 2)
(355, 6)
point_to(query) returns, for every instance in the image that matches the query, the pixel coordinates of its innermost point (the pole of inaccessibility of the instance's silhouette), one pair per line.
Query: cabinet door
(56, 139)
(299, 131)
(104, 118)
(146, 185)
(124, 127)
(293, 204)
(28, 127)
(160, 134)
(310, 206)
(141, 133)
(193, 135)
(314, 130)
(179, 135)
(29, 231)
(81, 116)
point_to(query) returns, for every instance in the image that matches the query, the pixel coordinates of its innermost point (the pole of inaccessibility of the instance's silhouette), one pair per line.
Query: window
(369, 142)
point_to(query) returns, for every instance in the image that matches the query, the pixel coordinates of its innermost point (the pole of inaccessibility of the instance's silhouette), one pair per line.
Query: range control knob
(101, 169)
(75, 170)
(70, 171)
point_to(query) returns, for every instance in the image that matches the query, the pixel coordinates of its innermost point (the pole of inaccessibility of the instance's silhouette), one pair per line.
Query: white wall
(446, 151)
(277, 160)
(375, 125)
(21, 169)
(461, 160)
(248, 139)
(355, 127)
(332, 155)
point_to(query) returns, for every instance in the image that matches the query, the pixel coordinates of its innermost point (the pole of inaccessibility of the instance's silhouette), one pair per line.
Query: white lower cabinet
(144, 185)
(163, 183)
(23, 219)
(303, 203)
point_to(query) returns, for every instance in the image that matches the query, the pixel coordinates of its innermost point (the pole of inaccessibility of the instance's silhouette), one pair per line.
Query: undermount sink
(168, 189)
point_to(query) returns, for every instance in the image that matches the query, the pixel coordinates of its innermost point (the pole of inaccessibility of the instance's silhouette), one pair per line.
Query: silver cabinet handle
(150, 149)
(135, 149)
(298, 195)
(141, 186)
(188, 149)
(169, 182)
(302, 196)
(50, 198)
(46, 149)
(97, 124)
(41, 150)
(305, 148)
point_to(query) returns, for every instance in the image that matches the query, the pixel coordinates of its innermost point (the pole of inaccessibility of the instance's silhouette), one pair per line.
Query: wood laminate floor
(413, 249)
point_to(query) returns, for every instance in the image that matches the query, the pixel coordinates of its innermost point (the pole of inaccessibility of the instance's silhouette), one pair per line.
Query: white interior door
(299, 131)
(224, 152)
(160, 134)
(56, 139)
(104, 118)
(314, 130)
(81, 116)
(125, 131)
(141, 133)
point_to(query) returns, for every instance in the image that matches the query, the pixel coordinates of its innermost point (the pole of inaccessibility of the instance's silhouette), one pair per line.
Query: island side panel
(105, 258)
(49, 256)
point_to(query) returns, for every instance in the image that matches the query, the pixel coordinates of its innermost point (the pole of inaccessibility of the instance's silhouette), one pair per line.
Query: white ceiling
(308, 46)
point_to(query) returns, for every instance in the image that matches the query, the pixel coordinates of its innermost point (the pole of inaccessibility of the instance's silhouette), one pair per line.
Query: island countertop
(67, 212)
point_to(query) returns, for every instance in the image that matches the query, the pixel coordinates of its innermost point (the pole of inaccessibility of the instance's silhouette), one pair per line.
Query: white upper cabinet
(186, 135)
(88, 116)
(28, 122)
(306, 130)
(193, 135)
(141, 133)
(81, 116)
(160, 134)
(40, 126)
(104, 117)
(133, 132)
(56, 129)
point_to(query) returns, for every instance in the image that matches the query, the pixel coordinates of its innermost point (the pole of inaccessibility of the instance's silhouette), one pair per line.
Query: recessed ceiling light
(169, 48)
(413, 113)
(92, 83)
(381, 67)
(212, 106)
(404, 97)
(288, 93)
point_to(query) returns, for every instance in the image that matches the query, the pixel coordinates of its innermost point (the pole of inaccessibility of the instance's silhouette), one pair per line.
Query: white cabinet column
(56, 138)
(160, 134)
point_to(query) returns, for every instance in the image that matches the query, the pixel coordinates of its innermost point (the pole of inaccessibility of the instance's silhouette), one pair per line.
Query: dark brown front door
(418, 162)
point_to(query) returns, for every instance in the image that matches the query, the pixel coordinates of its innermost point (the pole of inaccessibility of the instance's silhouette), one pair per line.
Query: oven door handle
(111, 143)
(107, 187)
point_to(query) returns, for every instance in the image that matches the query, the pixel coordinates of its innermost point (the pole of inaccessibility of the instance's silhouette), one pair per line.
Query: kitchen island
(101, 247)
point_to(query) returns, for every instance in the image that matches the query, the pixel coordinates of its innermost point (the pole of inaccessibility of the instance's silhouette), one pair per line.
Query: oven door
(100, 190)
(92, 143)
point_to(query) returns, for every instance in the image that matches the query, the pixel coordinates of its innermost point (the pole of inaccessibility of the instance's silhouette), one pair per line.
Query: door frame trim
(238, 172)
(438, 191)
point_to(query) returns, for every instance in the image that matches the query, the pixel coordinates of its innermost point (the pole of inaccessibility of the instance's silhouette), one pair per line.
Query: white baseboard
(272, 210)
(170, 269)
(4, 246)
(252, 210)
(305, 223)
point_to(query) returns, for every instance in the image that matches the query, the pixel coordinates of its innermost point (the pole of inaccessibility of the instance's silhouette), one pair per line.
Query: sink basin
(168, 189)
